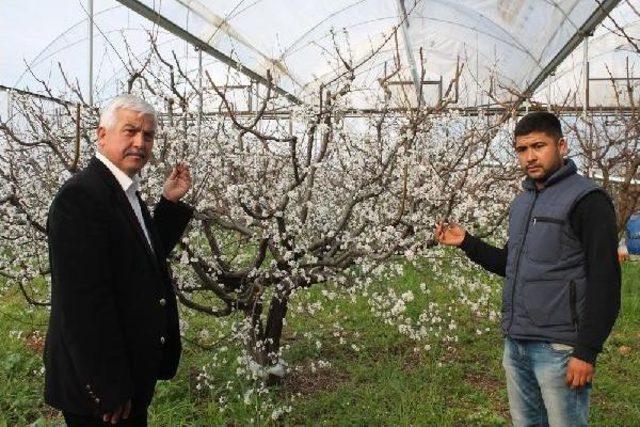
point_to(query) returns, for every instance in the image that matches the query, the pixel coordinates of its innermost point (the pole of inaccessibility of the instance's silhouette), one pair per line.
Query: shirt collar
(128, 184)
(567, 169)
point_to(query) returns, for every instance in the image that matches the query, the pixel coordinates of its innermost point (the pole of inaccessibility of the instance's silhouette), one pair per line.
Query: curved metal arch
(224, 26)
(326, 35)
(325, 75)
(605, 52)
(567, 18)
(515, 44)
(330, 16)
(160, 20)
(435, 20)
(229, 16)
(486, 33)
(379, 63)
(602, 11)
(37, 60)
(143, 52)
(470, 12)
(463, 9)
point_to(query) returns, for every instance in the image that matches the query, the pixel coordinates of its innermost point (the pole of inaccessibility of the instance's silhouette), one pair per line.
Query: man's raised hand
(449, 233)
(178, 183)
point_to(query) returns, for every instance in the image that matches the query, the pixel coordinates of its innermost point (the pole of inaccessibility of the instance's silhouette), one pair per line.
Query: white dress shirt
(130, 187)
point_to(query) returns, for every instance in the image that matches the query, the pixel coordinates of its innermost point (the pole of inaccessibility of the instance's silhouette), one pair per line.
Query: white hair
(128, 102)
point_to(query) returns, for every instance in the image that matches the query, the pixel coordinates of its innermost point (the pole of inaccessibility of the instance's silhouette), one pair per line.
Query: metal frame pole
(585, 72)
(9, 109)
(200, 95)
(404, 27)
(549, 100)
(90, 3)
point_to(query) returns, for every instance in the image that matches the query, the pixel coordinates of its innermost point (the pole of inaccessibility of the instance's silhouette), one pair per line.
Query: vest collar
(569, 168)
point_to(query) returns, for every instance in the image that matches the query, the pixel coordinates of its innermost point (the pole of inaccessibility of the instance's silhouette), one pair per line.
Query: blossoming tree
(284, 201)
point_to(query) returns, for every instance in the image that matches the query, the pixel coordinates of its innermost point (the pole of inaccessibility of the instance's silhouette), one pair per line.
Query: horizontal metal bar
(608, 79)
(234, 87)
(410, 82)
(59, 101)
(467, 111)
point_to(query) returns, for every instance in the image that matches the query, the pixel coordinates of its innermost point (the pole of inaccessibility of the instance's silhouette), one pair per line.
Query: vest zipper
(572, 303)
(515, 276)
(547, 219)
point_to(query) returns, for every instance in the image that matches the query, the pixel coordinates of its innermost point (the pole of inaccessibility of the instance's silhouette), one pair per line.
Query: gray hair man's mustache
(135, 153)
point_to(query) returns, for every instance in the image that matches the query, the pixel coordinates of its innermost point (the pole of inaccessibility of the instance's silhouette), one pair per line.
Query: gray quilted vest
(544, 289)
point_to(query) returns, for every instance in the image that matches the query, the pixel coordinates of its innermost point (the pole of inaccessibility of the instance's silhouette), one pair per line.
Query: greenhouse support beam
(155, 17)
(90, 52)
(586, 92)
(9, 108)
(438, 83)
(59, 101)
(465, 111)
(585, 71)
(404, 27)
(200, 96)
(604, 8)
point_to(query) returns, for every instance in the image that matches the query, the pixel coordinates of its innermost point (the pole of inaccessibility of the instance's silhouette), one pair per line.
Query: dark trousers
(136, 419)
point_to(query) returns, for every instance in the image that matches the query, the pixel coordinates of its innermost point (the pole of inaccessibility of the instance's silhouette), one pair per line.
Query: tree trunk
(264, 342)
(273, 332)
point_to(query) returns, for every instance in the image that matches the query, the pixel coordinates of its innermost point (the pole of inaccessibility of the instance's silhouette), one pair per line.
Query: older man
(113, 330)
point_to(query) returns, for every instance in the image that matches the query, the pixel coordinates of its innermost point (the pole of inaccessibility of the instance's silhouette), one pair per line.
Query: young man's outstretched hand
(449, 233)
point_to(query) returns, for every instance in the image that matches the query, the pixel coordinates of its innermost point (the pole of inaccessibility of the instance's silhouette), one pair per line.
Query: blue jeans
(536, 385)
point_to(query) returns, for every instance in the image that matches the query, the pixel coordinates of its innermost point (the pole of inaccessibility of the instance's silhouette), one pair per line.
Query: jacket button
(163, 302)
(162, 340)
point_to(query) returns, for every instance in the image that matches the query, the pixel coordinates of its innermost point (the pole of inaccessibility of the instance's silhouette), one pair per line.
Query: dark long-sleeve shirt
(593, 221)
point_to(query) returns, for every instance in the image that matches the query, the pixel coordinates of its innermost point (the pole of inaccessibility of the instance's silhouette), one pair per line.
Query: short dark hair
(539, 121)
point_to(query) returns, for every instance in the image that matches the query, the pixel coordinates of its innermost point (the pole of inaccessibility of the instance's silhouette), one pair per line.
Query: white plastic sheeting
(63, 45)
(503, 44)
(610, 55)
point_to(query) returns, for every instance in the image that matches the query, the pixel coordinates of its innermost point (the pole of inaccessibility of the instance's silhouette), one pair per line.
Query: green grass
(617, 385)
(383, 380)
(21, 378)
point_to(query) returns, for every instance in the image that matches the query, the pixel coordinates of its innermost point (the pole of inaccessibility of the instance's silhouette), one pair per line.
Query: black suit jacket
(113, 328)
